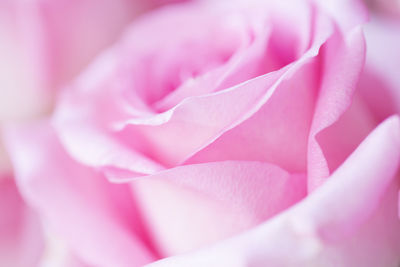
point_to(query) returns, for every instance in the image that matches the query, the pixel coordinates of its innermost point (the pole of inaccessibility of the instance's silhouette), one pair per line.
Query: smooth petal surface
(73, 32)
(157, 136)
(45, 44)
(215, 133)
(288, 112)
(227, 197)
(20, 77)
(331, 227)
(380, 82)
(21, 236)
(347, 13)
(96, 219)
(344, 59)
(340, 139)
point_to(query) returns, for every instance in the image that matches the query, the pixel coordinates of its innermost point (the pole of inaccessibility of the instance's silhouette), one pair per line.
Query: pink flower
(217, 134)
(44, 44)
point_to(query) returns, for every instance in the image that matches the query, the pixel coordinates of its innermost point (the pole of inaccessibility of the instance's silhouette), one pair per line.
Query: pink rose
(44, 44)
(217, 134)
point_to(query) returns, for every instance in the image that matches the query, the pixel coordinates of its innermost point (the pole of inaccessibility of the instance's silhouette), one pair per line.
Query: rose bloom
(43, 45)
(213, 133)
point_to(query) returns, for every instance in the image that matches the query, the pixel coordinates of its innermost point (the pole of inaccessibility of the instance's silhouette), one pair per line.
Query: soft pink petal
(21, 240)
(340, 139)
(344, 59)
(380, 82)
(227, 197)
(158, 136)
(349, 221)
(278, 132)
(75, 31)
(66, 259)
(347, 13)
(73, 261)
(98, 220)
(289, 113)
(23, 93)
(44, 44)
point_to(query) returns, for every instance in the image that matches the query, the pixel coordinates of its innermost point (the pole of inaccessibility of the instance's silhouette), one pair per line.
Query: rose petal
(236, 194)
(278, 132)
(349, 221)
(98, 220)
(21, 240)
(158, 136)
(344, 59)
(348, 13)
(380, 84)
(44, 44)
